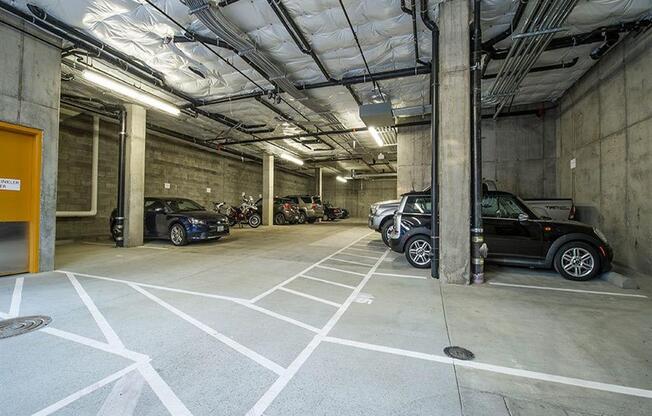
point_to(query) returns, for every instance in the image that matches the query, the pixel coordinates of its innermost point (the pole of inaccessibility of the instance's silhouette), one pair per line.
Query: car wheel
(577, 261)
(384, 231)
(232, 222)
(302, 218)
(311, 220)
(417, 252)
(254, 221)
(279, 219)
(178, 235)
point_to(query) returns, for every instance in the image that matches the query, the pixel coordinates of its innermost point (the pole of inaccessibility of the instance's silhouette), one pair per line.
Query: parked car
(381, 217)
(285, 212)
(514, 235)
(553, 208)
(310, 207)
(179, 220)
(332, 213)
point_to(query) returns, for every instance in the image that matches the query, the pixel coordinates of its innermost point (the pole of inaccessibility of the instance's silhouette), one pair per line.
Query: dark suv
(514, 235)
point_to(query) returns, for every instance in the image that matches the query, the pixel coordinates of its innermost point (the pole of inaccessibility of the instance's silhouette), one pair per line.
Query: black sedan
(514, 235)
(179, 220)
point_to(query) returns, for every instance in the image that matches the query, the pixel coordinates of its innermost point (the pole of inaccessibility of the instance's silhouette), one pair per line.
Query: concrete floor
(315, 320)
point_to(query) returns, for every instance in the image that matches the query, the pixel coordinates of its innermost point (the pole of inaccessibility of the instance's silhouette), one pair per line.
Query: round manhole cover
(22, 325)
(459, 353)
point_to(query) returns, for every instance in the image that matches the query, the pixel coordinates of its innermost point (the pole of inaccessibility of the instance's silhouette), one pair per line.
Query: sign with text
(8, 184)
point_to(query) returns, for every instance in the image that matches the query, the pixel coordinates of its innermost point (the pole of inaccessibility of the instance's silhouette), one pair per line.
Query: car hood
(387, 203)
(202, 215)
(569, 224)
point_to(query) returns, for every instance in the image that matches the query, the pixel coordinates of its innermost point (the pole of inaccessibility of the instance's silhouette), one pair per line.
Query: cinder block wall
(605, 124)
(358, 195)
(188, 170)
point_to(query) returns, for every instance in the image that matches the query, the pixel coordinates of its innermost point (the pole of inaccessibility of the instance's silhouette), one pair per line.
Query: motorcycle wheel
(232, 222)
(254, 221)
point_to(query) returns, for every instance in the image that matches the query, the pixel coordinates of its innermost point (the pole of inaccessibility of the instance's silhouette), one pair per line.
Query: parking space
(194, 331)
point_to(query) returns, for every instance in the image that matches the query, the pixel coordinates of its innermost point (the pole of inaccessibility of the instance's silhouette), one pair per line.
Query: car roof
(424, 193)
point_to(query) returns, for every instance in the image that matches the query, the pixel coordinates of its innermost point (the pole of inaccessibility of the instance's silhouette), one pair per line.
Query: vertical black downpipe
(434, 134)
(477, 232)
(120, 218)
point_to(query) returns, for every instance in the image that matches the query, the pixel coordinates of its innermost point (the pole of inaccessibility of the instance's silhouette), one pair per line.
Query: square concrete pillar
(134, 175)
(414, 159)
(454, 141)
(319, 181)
(268, 189)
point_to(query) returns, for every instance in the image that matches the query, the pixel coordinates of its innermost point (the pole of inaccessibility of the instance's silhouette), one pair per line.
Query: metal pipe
(122, 148)
(434, 136)
(477, 231)
(94, 174)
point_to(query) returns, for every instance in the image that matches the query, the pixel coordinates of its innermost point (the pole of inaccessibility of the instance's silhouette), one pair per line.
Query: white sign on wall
(573, 163)
(166, 185)
(8, 184)
(208, 190)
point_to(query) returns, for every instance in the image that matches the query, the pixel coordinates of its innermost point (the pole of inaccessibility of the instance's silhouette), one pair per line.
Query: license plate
(219, 228)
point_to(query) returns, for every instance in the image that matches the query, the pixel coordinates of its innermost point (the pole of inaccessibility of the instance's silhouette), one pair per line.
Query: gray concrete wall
(519, 154)
(358, 195)
(414, 159)
(188, 170)
(606, 126)
(30, 82)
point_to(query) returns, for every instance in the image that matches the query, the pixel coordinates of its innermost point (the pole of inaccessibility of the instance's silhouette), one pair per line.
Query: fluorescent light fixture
(376, 136)
(291, 159)
(129, 91)
(341, 179)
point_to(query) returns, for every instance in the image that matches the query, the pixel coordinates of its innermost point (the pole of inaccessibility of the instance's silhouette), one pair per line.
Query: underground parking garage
(325, 207)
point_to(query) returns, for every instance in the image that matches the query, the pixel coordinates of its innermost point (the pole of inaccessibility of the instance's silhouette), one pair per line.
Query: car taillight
(287, 206)
(314, 206)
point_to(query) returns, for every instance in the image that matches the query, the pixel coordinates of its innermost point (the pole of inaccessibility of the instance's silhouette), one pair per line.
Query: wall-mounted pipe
(94, 173)
(119, 225)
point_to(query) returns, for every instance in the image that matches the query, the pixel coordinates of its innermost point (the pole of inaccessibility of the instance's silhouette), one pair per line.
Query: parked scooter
(246, 213)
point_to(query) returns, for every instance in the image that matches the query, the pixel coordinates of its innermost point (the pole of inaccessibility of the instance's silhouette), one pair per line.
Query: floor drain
(22, 325)
(459, 353)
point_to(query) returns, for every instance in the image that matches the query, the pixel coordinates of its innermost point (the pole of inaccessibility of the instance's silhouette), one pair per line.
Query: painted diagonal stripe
(408, 276)
(335, 269)
(16, 297)
(330, 282)
(124, 396)
(311, 297)
(351, 262)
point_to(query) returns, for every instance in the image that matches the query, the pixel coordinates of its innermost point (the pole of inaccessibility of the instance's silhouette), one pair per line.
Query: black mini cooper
(514, 235)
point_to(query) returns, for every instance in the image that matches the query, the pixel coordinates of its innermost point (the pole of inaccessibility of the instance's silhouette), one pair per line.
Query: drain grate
(459, 353)
(22, 325)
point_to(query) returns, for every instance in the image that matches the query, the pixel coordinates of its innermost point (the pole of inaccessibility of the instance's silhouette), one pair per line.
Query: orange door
(20, 167)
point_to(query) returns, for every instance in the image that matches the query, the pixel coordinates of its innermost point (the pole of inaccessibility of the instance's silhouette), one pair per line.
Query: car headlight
(195, 221)
(600, 234)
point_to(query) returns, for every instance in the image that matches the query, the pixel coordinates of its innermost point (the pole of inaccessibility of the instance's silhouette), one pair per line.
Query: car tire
(384, 231)
(279, 219)
(178, 235)
(254, 221)
(232, 222)
(578, 261)
(302, 218)
(311, 220)
(417, 252)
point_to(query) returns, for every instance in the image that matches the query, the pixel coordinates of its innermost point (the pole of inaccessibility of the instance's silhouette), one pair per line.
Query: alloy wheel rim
(420, 252)
(255, 220)
(577, 262)
(176, 235)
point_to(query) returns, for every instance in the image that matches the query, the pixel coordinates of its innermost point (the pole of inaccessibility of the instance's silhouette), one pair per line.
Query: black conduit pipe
(122, 148)
(434, 134)
(477, 232)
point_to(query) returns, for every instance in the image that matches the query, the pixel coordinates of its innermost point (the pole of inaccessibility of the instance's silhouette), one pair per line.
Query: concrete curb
(619, 280)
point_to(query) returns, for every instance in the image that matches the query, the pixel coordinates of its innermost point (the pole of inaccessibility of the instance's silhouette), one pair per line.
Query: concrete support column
(414, 159)
(268, 189)
(319, 181)
(134, 175)
(454, 141)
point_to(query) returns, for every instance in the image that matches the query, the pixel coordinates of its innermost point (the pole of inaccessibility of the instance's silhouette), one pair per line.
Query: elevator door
(20, 166)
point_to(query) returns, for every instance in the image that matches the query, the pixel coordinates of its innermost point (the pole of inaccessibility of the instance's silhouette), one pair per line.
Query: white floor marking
(351, 262)
(132, 355)
(307, 296)
(358, 255)
(254, 356)
(124, 396)
(275, 389)
(409, 276)
(340, 270)
(86, 390)
(330, 282)
(90, 243)
(560, 289)
(110, 335)
(365, 250)
(153, 247)
(278, 316)
(163, 391)
(285, 282)
(16, 297)
(517, 372)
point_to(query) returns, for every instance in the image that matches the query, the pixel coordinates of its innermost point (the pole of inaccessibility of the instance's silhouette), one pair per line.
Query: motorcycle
(245, 213)
(331, 213)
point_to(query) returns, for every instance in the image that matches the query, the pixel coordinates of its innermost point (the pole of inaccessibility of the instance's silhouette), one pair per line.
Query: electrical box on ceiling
(377, 115)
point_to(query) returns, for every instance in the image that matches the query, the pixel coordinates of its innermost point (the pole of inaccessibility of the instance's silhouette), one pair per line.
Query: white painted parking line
(351, 262)
(517, 372)
(340, 270)
(365, 250)
(330, 282)
(409, 276)
(124, 396)
(122, 352)
(85, 391)
(358, 255)
(163, 391)
(153, 247)
(254, 356)
(278, 316)
(90, 243)
(277, 387)
(16, 297)
(307, 296)
(561, 289)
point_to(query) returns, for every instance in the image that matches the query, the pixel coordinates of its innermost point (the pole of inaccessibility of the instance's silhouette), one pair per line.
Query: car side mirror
(523, 217)
(159, 209)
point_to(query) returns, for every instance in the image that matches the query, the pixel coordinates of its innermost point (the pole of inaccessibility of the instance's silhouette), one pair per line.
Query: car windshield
(317, 200)
(183, 205)
(306, 199)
